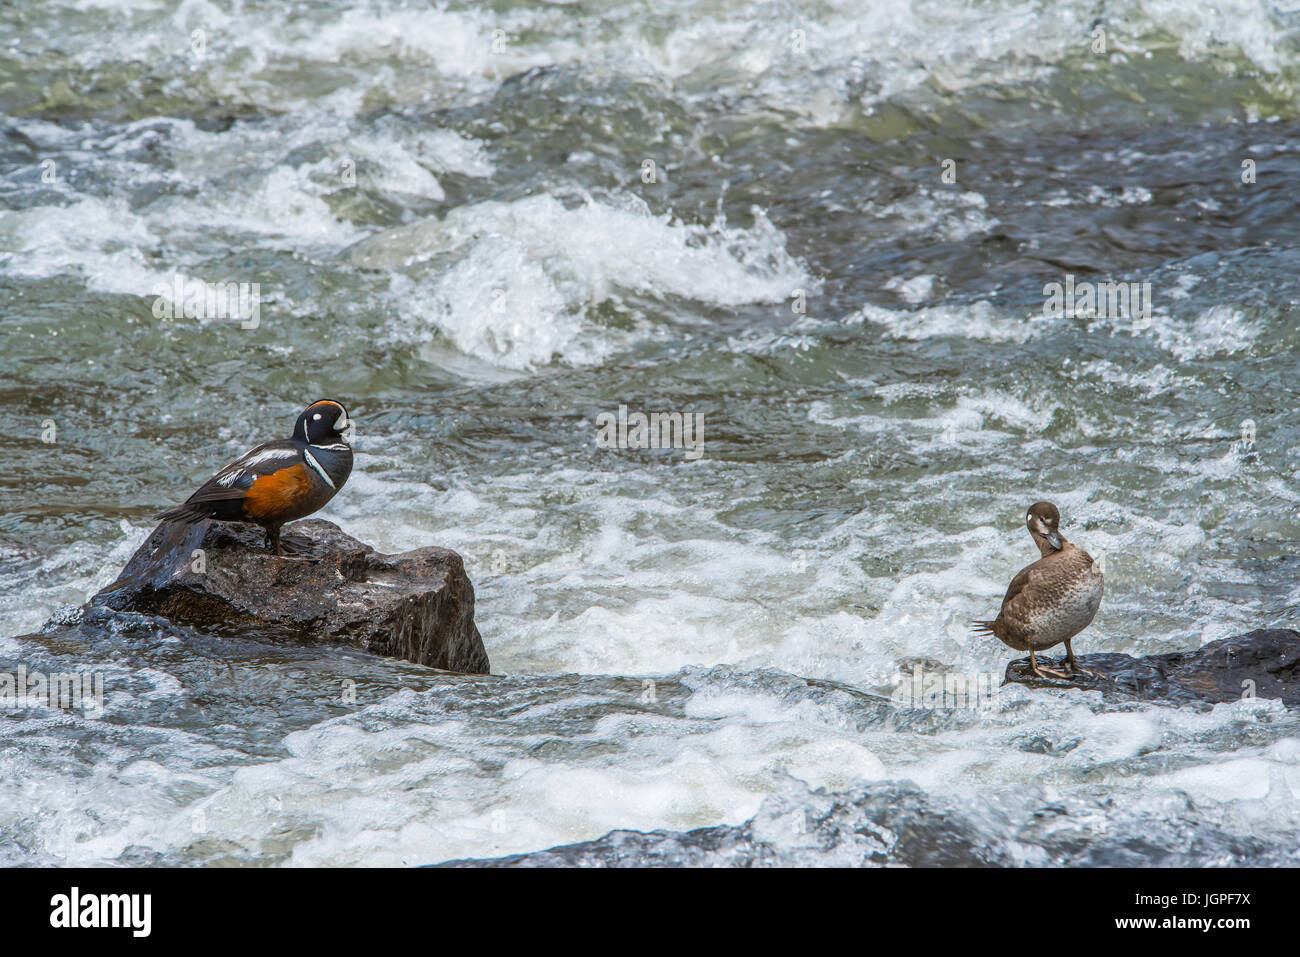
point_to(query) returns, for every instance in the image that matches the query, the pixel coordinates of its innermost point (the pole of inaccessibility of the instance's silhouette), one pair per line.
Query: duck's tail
(186, 514)
(984, 628)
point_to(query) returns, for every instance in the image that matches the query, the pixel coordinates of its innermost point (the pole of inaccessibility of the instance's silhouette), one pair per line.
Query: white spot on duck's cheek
(316, 417)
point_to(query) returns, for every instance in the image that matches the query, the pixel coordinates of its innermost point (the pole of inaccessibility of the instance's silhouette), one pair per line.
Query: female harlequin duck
(280, 481)
(1050, 601)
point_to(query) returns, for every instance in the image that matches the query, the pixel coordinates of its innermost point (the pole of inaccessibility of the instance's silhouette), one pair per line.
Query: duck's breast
(1077, 600)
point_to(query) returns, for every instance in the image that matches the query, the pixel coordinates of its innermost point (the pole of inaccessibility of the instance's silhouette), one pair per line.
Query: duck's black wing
(222, 495)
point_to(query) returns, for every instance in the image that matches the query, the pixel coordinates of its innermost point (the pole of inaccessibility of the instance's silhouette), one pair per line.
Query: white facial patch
(341, 422)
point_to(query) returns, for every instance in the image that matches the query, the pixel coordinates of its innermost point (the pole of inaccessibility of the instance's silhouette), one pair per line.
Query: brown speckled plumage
(1053, 599)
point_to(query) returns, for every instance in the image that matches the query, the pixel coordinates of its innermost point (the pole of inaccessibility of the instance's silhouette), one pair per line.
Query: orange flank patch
(279, 493)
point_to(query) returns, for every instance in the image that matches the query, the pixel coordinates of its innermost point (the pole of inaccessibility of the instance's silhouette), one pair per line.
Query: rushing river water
(483, 227)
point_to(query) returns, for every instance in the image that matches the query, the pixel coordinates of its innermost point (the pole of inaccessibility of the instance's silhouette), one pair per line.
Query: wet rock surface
(327, 587)
(1264, 663)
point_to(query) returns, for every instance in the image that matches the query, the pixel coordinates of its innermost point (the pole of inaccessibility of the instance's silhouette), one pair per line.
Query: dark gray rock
(1264, 664)
(328, 587)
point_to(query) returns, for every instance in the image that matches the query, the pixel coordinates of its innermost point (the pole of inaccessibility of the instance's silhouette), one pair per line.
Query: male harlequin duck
(1050, 601)
(280, 481)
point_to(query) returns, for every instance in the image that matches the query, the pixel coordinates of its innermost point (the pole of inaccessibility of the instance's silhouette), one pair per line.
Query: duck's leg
(1073, 665)
(273, 539)
(1039, 671)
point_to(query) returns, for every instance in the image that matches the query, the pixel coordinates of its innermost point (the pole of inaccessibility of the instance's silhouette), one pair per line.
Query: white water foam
(523, 276)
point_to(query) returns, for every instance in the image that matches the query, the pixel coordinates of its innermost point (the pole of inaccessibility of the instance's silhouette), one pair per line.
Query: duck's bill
(1054, 539)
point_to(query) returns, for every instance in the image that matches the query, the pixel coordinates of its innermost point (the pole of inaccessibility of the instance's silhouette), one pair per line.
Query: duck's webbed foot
(1042, 671)
(1075, 667)
(1078, 671)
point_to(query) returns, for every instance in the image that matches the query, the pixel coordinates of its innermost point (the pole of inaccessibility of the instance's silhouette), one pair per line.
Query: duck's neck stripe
(311, 461)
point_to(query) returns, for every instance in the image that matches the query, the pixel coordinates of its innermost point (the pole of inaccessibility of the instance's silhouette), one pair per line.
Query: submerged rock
(877, 825)
(1261, 664)
(328, 587)
(896, 823)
